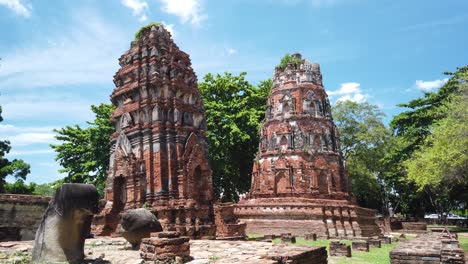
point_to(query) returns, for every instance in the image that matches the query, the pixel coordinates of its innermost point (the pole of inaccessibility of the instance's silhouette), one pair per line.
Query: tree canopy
(16, 167)
(234, 110)
(362, 139)
(84, 152)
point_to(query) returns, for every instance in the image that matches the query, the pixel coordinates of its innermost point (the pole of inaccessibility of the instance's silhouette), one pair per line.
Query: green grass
(254, 235)
(138, 33)
(463, 242)
(455, 229)
(374, 256)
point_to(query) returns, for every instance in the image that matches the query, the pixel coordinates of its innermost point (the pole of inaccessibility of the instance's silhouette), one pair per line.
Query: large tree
(440, 165)
(363, 136)
(16, 167)
(411, 129)
(84, 152)
(234, 110)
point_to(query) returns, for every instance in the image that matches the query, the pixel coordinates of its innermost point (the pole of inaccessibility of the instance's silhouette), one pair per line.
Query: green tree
(16, 167)
(411, 128)
(440, 165)
(84, 152)
(363, 136)
(19, 187)
(234, 110)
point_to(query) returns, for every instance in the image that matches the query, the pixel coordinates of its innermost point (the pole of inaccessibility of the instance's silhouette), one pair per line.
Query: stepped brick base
(298, 216)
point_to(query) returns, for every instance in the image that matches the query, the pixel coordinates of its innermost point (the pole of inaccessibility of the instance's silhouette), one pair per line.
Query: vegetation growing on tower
(288, 58)
(140, 31)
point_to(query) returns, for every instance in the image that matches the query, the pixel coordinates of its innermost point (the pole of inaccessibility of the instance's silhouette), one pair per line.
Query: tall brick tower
(159, 154)
(299, 183)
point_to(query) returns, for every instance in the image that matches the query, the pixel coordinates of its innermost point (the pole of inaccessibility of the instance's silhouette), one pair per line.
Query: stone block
(312, 237)
(340, 249)
(360, 245)
(377, 243)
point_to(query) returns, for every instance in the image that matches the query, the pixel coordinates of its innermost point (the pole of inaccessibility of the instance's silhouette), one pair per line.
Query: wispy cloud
(18, 7)
(23, 136)
(188, 11)
(349, 91)
(45, 105)
(31, 152)
(430, 85)
(140, 8)
(84, 53)
(436, 23)
(231, 51)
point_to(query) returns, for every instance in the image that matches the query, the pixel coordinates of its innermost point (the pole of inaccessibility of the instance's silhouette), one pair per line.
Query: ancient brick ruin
(299, 183)
(20, 215)
(159, 155)
(428, 248)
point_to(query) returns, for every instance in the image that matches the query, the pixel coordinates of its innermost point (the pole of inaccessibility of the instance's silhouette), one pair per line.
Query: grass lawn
(463, 242)
(375, 255)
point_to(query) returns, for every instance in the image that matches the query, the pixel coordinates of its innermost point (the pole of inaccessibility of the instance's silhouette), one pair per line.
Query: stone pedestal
(288, 238)
(165, 247)
(312, 237)
(227, 223)
(377, 243)
(385, 239)
(340, 249)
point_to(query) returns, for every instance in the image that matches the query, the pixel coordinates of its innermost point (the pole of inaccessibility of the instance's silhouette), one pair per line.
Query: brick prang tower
(299, 182)
(159, 154)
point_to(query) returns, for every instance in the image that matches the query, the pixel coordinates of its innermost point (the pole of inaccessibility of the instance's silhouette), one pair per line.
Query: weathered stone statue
(138, 224)
(66, 223)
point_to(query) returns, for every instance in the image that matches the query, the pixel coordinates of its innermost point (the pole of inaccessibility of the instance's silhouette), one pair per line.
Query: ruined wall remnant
(299, 182)
(159, 155)
(20, 215)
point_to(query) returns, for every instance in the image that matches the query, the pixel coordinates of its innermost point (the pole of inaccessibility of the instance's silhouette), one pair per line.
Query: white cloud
(18, 7)
(231, 51)
(84, 53)
(170, 28)
(349, 91)
(187, 10)
(139, 8)
(30, 152)
(430, 85)
(23, 136)
(45, 105)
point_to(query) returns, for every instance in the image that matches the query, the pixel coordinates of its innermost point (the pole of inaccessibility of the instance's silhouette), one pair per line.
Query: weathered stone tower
(159, 155)
(299, 183)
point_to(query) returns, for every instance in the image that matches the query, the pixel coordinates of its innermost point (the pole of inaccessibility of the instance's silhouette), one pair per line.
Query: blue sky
(58, 57)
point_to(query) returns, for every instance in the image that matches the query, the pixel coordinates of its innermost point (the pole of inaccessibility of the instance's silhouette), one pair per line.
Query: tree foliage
(16, 167)
(363, 136)
(413, 130)
(440, 165)
(84, 152)
(234, 110)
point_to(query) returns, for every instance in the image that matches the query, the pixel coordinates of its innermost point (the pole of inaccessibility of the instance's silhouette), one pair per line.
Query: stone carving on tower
(159, 154)
(299, 183)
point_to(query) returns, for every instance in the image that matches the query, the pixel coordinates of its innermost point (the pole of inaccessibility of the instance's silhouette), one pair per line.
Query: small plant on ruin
(140, 31)
(289, 59)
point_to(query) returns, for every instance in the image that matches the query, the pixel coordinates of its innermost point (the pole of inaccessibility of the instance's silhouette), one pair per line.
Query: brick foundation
(227, 223)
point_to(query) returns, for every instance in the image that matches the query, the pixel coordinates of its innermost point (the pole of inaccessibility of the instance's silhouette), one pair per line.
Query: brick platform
(428, 249)
(373, 242)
